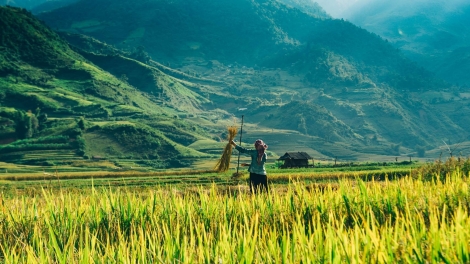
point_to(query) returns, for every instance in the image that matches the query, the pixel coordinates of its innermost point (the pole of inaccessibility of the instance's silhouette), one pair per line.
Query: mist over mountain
(251, 33)
(171, 30)
(170, 67)
(28, 4)
(433, 33)
(37, 6)
(336, 8)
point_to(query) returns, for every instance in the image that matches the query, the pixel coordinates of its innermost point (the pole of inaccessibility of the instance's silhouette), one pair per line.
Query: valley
(136, 105)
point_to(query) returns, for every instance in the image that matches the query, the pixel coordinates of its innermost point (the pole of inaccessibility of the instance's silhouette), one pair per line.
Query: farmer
(258, 177)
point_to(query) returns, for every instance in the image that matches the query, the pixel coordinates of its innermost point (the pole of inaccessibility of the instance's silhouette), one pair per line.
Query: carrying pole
(241, 132)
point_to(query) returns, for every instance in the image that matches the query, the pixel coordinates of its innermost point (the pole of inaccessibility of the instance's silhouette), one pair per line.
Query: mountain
(55, 99)
(28, 4)
(433, 33)
(37, 6)
(336, 8)
(50, 5)
(308, 7)
(179, 74)
(251, 33)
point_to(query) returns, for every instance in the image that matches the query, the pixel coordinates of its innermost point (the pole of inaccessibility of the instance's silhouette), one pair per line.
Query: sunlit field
(409, 219)
(118, 121)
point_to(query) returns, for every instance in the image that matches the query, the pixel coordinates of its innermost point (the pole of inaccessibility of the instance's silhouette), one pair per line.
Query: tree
(141, 55)
(2, 97)
(42, 118)
(420, 151)
(23, 127)
(34, 123)
(81, 145)
(81, 123)
(124, 78)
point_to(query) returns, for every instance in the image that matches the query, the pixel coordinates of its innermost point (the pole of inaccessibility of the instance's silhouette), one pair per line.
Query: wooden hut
(295, 159)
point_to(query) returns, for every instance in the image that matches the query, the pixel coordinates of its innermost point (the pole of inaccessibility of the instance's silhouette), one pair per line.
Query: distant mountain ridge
(22, 3)
(37, 6)
(159, 27)
(323, 53)
(327, 80)
(264, 33)
(430, 32)
(310, 7)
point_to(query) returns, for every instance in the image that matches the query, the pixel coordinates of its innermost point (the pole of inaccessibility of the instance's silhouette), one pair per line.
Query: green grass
(8, 110)
(68, 98)
(83, 172)
(126, 110)
(8, 84)
(104, 123)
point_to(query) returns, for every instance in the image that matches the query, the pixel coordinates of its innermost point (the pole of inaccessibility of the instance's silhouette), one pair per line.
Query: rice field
(407, 220)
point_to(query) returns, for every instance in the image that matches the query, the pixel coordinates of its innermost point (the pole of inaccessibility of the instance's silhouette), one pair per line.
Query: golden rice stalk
(224, 163)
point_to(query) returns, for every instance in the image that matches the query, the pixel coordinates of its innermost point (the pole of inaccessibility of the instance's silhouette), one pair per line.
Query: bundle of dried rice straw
(224, 162)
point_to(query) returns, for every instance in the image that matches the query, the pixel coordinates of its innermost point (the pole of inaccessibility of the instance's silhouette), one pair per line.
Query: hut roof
(295, 156)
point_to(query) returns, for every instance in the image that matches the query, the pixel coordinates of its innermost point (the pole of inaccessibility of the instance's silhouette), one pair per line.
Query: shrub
(439, 170)
(27, 147)
(157, 164)
(81, 123)
(48, 163)
(42, 140)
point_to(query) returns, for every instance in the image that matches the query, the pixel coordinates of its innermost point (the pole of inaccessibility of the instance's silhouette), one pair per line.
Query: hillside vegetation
(336, 89)
(49, 91)
(252, 33)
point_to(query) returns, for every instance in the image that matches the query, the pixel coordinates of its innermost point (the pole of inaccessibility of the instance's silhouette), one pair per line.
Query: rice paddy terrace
(405, 213)
(24, 178)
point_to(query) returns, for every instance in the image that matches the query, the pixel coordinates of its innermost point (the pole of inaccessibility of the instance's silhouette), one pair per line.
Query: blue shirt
(254, 166)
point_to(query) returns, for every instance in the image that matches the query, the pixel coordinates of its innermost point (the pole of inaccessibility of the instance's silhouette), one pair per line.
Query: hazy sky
(336, 7)
(343, 8)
